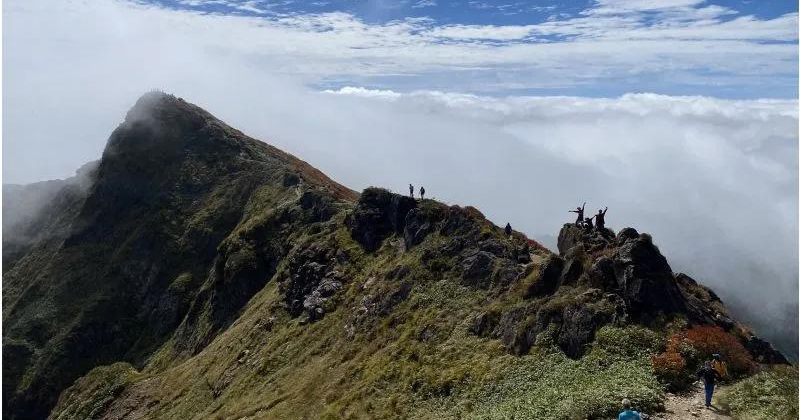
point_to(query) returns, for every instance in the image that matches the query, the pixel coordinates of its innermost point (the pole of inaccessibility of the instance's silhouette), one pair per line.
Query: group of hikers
(421, 192)
(586, 222)
(712, 371)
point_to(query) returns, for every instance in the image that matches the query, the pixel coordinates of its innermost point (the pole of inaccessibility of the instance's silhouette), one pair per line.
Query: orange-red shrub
(687, 350)
(670, 368)
(708, 340)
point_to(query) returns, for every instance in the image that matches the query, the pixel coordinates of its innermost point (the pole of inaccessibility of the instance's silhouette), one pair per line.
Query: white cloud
(508, 32)
(424, 3)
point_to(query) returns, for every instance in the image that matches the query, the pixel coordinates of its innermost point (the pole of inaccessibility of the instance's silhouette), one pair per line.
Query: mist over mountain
(195, 272)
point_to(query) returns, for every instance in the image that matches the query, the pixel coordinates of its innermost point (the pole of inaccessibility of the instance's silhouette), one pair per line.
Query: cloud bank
(714, 181)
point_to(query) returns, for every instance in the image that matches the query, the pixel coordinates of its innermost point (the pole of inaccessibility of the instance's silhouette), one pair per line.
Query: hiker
(587, 223)
(411, 190)
(719, 365)
(628, 413)
(508, 229)
(709, 377)
(579, 210)
(422, 193)
(601, 219)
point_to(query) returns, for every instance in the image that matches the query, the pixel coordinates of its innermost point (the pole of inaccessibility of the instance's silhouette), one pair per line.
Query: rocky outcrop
(549, 278)
(593, 240)
(645, 279)
(476, 269)
(763, 352)
(378, 214)
(311, 279)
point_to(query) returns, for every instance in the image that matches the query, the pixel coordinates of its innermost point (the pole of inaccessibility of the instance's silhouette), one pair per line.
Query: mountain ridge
(198, 252)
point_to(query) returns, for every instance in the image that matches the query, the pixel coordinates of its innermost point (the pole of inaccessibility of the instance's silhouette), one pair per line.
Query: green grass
(771, 394)
(548, 385)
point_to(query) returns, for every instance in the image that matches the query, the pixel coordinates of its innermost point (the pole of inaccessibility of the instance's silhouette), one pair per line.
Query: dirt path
(691, 405)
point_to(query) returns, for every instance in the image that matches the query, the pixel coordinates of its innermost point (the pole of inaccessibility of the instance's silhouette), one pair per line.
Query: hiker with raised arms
(600, 219)
(579, 210)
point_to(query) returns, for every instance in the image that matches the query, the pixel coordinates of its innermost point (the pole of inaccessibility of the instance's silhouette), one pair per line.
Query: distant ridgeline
(195, 272)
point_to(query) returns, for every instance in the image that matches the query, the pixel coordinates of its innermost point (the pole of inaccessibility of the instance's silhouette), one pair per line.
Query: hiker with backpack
(709, 375)
(719, 365)
(411, 190)
(421, 193)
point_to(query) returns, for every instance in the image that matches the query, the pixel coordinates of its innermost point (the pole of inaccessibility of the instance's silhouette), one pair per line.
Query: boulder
(645, 279)
(578, 326)
(548, 280)
(627, 234)
(569, 236)
(484, 324)
(378, 214)
(601, 274)
(477, 269)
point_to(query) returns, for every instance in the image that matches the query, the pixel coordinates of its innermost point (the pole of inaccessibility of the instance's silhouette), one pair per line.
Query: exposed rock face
(594, 240)
(645, 278)
(549, 278)
(602, 274)
(477, 269)
(763, 352)
(378, 214)
(311, 280)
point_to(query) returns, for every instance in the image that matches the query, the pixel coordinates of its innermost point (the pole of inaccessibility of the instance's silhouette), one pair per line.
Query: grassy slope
(417, 361)
(771, 394)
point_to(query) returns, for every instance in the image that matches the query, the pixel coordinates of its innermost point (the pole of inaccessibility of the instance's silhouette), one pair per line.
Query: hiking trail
(691, 405)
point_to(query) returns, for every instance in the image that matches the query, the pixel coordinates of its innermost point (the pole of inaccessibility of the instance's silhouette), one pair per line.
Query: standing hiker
(709, 376)
(411, 190)
(508, 229)
(601, 219)
(422, 193)
(579, 210)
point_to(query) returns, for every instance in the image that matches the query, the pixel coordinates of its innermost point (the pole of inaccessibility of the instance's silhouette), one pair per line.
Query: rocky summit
(194, 272)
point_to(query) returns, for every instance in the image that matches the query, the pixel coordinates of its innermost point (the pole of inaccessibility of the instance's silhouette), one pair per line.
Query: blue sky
(728, 49)
(477, 12)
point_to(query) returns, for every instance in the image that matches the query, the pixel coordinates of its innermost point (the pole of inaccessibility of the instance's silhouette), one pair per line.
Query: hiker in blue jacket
(628, 413)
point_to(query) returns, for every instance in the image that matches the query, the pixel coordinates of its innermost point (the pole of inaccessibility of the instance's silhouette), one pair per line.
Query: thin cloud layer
(638, 45)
